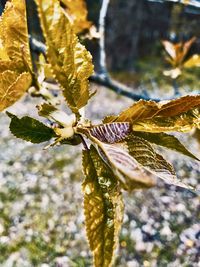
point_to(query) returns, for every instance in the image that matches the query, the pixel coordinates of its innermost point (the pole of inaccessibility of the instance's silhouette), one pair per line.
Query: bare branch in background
(103, 80)
(102, 52)
(119, 88)
(194, 3)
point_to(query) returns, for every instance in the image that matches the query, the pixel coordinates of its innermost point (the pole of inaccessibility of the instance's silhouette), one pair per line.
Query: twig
(83, 142)
(102, 52)
(175, 87)
(194, 3)
(119, 88)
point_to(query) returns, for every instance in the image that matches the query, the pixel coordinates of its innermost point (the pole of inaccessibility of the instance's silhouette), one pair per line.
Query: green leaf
(103, 208)
(30, 129)
(166, 140)
(145, 155)
(70, 62)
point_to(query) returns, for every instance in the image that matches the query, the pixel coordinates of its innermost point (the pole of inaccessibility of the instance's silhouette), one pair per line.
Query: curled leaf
(51, 112)
(126, 168)
(111, 132)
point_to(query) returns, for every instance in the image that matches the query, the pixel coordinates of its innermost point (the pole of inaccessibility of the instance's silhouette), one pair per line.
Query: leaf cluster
(120, 153)
(177, 57)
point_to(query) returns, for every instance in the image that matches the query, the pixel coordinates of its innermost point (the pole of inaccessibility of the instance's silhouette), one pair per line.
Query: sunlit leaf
(181, 114)
(140, 110)
(166, 140)
(14, 33)
(70, 62)
(184, 122)
(15, 60)
(77, 10)
(193, 61)
(12, 87)
(103, 208)
(170, 48)
(30, 129)
(144, 154)
(126, 168)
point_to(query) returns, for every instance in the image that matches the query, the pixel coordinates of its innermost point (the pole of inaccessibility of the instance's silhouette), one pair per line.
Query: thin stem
(175, 87)
(194, 3)
(119, 88)
(83, 142)
(102, 52)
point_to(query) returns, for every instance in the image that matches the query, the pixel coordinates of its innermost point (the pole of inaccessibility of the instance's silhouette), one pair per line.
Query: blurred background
(41, 216)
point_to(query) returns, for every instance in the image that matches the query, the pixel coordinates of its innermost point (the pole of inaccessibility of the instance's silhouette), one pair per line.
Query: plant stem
(83, 142)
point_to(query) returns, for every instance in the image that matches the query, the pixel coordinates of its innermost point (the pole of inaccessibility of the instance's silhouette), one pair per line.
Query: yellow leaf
(70, 62)
(167, 111)
(134, 160)
(194, 61)
(103, 208)
(184, 122)
(167, 141)
(14, 34)
(77, 10)
(125, 167)
(15, 60)
(12, 87)
(144, 154)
